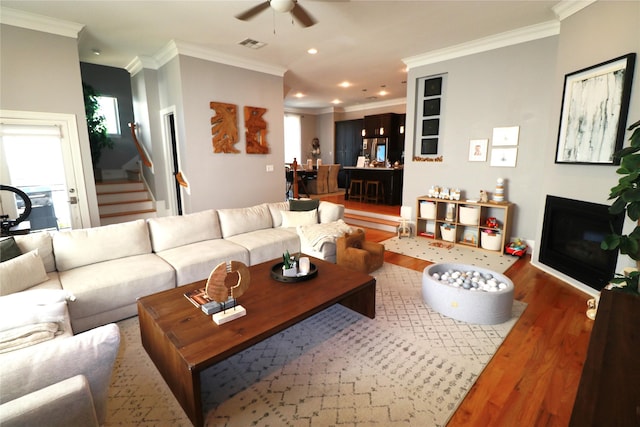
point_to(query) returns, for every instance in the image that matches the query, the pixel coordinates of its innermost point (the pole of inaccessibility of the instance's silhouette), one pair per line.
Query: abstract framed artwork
(595, 103)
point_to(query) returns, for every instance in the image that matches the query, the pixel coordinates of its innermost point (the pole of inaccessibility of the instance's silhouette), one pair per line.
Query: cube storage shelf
(464, 223)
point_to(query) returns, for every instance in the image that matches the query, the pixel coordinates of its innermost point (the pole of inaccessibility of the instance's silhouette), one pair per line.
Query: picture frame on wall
(478, 150)
(594, 110)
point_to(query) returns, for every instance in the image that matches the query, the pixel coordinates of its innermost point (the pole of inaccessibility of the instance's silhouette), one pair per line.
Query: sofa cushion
(21, 273)
(173, 231)
(34, 306)
(296, 218)
(65, 403)
(77, 248)
(268, 244)
(9, 249)
(303, 205)
(276, 209)
(108, 285)
(91, 354)
(329, 212)
(41, 241)
(196, 261)
(244, 220)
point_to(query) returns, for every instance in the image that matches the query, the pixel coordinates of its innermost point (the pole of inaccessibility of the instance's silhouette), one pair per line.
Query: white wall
(40, 72)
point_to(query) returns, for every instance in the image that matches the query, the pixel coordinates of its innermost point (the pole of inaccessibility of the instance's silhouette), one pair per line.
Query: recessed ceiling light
(383, 93)
(96, 52)
(312, 51)
(345, 84)
(299, 95)
(336, 101)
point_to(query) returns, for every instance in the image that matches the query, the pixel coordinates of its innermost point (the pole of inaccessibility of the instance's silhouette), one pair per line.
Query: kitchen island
(390, 179)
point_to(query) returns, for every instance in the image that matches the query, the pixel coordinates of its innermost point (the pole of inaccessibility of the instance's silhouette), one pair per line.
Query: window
(109, 109)
(292, 138)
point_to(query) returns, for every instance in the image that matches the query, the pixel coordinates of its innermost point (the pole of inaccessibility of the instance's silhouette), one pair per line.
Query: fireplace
(571, 236)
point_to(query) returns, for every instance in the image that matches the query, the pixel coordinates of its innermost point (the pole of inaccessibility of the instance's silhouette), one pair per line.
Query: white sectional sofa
(108, 268)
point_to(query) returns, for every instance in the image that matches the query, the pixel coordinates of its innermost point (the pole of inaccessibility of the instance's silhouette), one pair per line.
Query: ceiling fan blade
(301, 14)
(245, 16)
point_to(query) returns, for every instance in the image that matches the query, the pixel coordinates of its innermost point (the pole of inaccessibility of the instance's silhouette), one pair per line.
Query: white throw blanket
(319, 234)
(24, 336)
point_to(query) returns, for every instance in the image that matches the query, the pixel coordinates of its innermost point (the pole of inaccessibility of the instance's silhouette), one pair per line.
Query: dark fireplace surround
(571, 236)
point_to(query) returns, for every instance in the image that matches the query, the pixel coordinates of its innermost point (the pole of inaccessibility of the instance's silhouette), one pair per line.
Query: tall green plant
(627, 200)
(98, 137)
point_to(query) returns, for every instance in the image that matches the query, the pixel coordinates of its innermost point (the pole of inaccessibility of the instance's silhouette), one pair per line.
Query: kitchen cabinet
(348, 140)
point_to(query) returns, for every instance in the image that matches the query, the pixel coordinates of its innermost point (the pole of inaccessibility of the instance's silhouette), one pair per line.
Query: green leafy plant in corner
(98, 137)
(627, 200)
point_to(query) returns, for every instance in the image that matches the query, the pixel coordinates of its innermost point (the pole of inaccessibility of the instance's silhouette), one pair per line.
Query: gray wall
(602, 31)
(40, 72)
(224, 180)
(502, 87)
(116, 82)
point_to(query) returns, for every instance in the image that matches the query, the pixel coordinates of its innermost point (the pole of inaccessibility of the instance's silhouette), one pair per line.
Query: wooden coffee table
(182, 341)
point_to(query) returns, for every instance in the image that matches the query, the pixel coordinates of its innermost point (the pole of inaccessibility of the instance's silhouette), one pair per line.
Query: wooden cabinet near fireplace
(465, 223)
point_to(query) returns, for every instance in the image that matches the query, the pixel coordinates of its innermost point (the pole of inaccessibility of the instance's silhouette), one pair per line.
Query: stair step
(127, 216)
(126, 196)
(120, 207)
(110, 187)
(372, 220)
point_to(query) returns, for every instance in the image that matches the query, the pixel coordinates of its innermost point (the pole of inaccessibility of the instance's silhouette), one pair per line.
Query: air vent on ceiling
(252, 44)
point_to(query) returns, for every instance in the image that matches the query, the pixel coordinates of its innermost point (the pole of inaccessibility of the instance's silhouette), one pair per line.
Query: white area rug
(408, 366)
(439, 252)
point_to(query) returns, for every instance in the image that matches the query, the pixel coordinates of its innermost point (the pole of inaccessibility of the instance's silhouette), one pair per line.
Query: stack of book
(200, 299)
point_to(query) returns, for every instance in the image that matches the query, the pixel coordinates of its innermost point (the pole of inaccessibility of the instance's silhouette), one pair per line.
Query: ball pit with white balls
(468, 293)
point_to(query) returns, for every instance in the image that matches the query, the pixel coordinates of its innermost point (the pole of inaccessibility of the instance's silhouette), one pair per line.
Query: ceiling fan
(282, 6)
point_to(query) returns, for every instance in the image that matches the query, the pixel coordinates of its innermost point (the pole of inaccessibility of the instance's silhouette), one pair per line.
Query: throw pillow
(303, 205)
(9, 249)
(21, 272)
(296, 218)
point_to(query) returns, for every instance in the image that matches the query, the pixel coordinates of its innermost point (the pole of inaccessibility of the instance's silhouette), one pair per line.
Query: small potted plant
(289, 268)
(627, 200)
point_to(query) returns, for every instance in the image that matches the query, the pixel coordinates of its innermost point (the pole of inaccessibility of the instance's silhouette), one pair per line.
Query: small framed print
(505, 136)
(478, 150)
(504, 157)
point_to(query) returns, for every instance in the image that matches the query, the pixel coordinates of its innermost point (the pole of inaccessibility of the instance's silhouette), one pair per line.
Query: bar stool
(374, 192)
(353, 194)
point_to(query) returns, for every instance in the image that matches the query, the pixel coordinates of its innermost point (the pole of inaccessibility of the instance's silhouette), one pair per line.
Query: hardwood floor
(533, 378)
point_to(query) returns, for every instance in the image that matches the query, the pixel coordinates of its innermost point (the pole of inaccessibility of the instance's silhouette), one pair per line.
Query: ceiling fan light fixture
(282, 6)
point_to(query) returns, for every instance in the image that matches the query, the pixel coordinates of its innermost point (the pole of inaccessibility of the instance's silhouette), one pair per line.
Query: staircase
(122, 201)
(372, 220)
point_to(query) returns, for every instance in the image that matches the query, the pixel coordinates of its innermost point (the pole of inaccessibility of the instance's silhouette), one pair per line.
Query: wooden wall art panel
(224, 127)
(256, 130)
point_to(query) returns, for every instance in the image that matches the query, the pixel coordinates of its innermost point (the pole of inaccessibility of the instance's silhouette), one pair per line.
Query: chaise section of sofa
(107, 268)
(193, 245)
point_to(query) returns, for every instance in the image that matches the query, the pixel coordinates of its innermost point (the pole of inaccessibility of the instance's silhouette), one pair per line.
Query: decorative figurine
(484, 197)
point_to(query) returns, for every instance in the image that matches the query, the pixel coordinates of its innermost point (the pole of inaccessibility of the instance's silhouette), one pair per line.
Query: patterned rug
(438, 252)
(408, 366)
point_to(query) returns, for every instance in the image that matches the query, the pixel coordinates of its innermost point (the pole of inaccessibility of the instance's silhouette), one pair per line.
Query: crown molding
(377, 104)
(45, 24)
(138, 63)
(566, 8)
(508, 38)
(174, 48)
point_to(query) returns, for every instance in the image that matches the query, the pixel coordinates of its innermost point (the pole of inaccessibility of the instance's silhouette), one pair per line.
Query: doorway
(174, 189)
(40, 155)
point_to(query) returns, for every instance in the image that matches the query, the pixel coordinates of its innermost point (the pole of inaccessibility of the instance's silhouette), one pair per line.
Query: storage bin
(469, 215)
(490, 240)
(427, 210)
(448, 234)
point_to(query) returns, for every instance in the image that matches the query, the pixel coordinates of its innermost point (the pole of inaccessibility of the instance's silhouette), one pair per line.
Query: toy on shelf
(517, 248)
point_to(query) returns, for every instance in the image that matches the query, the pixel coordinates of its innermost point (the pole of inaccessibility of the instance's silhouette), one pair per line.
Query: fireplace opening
(571, 235)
